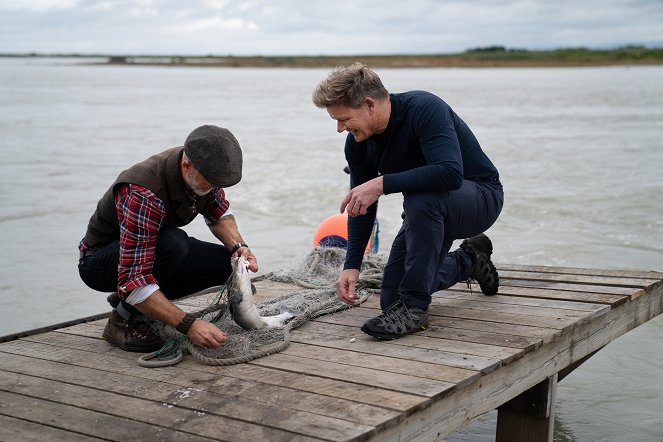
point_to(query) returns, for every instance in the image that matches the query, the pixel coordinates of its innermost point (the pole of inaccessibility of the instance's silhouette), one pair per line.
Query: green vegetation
(491, 56)
(577, 56)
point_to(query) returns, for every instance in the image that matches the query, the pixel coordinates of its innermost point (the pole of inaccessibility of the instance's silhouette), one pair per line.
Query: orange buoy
(333, 232)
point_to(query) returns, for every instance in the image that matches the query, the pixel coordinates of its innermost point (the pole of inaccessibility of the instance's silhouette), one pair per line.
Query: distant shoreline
(493, 56)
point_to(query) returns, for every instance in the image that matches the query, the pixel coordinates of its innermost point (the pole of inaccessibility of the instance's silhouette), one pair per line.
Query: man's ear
(370, 105)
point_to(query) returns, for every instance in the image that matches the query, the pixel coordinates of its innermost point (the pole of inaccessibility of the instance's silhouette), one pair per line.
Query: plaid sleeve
(217, 205)
(140, 213)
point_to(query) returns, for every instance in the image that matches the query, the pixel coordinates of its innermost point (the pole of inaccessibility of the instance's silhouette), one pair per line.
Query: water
(579, 151)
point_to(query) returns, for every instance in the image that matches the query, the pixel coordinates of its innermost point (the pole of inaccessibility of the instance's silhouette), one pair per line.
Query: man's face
(196, 181)
(357, 121)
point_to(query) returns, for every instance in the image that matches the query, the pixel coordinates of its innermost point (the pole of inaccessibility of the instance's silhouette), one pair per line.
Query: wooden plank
(456, 410)
(562, 295)
(160, 416)
(515, 307)
(358, 375)
(336, 383)
(223, 398)
(554, 285)
(513, 314)
(432, 339)
(357, 316)
(82, 421)
(530, 416)
(502, 298)
(360, 394)
(421, 353)
(160, 403)
(12, 429)
(581, 279)
(559, 321)
(348, 332)
(651, 274)
(366, 394)
(364, 406)
(521, 309)
(365, 355)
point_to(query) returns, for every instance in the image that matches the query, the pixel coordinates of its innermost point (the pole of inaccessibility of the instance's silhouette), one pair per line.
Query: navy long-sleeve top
(425, 147)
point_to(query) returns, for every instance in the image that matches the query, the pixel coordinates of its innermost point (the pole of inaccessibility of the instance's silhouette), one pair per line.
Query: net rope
(315, 276)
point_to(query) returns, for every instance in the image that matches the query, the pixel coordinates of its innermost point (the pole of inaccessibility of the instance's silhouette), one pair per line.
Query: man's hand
(247, 254)
(345, 286)
(201, 333)
(205, 334)
(362, 196)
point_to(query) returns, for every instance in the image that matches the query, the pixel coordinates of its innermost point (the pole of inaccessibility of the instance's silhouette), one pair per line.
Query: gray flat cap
(216, 154)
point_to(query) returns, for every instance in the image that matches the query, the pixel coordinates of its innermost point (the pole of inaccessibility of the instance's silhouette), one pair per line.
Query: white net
(315, 276)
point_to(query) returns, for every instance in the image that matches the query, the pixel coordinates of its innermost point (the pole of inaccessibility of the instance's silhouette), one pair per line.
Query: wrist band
(186, 323)
(237, 246)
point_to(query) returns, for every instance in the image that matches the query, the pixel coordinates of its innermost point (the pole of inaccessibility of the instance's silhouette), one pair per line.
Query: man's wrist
(186, 323)
(236, 247)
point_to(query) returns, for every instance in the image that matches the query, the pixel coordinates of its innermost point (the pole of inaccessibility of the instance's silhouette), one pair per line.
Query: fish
(240, 297)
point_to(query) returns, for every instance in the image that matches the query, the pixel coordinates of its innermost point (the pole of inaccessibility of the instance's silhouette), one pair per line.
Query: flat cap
(215, 153)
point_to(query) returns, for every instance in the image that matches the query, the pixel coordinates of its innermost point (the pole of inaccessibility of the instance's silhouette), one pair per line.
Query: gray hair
(349, 86)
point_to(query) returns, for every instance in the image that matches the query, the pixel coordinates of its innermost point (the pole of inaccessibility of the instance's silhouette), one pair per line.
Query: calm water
(579, 150)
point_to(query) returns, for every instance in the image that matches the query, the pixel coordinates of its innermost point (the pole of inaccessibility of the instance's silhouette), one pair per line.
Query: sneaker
(483, 271)
(397, 321)
(134, 335)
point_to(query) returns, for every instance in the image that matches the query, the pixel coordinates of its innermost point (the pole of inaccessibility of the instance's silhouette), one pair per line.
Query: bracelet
(186, 323)
(237, 246)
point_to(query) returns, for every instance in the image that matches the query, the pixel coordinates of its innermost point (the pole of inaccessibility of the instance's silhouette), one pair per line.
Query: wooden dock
(333, 383)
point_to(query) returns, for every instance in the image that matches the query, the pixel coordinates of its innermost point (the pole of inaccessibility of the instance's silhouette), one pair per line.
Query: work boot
(133, 335)
(483, 271)
(113, 299)
(396, 321)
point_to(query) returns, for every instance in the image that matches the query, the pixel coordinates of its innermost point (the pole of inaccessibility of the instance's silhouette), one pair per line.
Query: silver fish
(242, 306)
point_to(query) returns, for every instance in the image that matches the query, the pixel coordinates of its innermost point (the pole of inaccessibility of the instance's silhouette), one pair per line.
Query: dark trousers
(419, 262)
(183, 265)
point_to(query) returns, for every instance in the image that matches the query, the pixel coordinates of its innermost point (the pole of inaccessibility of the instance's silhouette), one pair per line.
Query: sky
(316, 27)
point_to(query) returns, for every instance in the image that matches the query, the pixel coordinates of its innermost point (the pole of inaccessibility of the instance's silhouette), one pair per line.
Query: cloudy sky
(317, 27)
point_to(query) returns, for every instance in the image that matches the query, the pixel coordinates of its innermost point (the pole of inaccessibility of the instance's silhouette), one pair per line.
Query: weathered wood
(229, 397)
(562, 295)
(505, 298)
(650, 274)
(83, 421)
(618, 281)
(559, 285)
(530, 416)
(358, 394)
(333, 382)
(497, 387)
(12, 429)
(568, 370)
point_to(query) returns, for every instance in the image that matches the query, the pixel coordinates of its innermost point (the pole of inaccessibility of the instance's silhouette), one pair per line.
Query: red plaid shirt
(141, 213)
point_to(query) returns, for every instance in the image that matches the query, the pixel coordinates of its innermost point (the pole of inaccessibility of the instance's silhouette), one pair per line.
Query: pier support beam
(530, 416)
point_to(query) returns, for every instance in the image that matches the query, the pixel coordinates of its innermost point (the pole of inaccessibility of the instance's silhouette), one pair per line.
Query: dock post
(530, 416)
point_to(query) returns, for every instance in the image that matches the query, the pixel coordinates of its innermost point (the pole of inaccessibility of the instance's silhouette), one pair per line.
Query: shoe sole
(112, 341)
(490, 265)
(391, 337)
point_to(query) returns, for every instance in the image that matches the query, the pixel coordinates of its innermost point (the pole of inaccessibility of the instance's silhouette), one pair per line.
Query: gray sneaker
(396, 321)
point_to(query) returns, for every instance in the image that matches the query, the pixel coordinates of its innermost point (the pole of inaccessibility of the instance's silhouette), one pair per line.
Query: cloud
(218, 23)
(40, 6)
(317, 27)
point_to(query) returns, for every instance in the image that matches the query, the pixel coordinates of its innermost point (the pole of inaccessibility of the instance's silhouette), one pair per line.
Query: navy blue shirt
(425, 147)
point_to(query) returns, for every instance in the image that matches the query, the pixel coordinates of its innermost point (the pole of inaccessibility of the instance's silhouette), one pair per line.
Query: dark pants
(183, 265)
(419, 262)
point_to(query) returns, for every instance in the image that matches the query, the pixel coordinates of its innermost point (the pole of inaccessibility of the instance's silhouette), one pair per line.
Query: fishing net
(314, 276)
